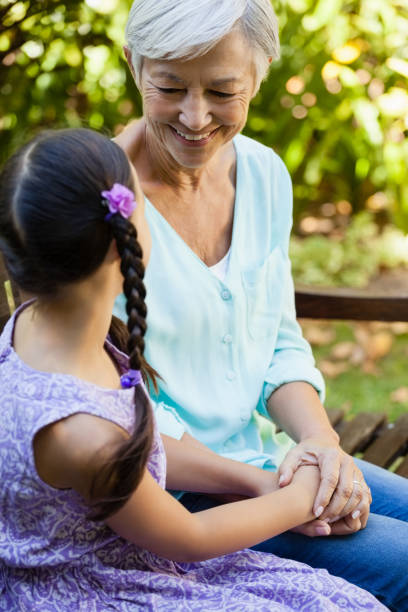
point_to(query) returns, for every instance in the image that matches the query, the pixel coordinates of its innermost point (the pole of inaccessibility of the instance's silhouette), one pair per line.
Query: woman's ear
(128, 56)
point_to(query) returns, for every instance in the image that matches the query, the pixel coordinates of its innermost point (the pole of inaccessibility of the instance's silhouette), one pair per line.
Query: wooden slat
(335, 415)
(360, 430)
(4, 305)
(4, 302)
(403, 468)
(344, 304)
(390, 445)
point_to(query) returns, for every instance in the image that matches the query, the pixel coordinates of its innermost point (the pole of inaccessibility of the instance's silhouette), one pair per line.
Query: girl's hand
(343, 493)
(318, 528)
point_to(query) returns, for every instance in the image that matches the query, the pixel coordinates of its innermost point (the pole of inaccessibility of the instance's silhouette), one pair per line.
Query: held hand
(319, 528)
(342, 493)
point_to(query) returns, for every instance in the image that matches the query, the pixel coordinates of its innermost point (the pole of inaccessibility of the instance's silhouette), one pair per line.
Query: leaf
(379, 345)
(400, 396)
(399, 328)
(331, 369)
(319, 336)
(358, 355)
(343, 350)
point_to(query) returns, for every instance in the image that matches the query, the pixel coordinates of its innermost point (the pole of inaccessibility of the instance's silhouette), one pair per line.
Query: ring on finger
(357, 482)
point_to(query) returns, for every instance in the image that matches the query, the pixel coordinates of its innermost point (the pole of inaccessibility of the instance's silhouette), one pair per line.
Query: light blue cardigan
(223, 348)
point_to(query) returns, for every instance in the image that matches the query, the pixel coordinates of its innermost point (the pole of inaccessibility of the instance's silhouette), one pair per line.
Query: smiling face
(192, 108)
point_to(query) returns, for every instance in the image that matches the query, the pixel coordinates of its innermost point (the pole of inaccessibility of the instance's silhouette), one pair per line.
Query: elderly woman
(222, 329)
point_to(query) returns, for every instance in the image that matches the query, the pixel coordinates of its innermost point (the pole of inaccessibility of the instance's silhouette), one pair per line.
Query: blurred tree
(335, 105)
(61, 64)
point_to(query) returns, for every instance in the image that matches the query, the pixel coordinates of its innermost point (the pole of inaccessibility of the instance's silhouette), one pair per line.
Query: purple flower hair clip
(120, 200)
(131, 379)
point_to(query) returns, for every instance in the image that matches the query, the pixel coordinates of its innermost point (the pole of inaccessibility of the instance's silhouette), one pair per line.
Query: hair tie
(131, 379)
(120, 200)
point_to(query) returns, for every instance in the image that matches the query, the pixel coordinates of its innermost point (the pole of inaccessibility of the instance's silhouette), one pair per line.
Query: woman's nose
(195, 113)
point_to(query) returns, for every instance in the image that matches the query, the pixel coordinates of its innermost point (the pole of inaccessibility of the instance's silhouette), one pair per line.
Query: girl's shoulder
(69, 453)
(36, 399)
(65, 428)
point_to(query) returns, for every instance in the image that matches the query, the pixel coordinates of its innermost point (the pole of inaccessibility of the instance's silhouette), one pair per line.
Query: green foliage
(62, 65)
(349, 260)
(335, 106)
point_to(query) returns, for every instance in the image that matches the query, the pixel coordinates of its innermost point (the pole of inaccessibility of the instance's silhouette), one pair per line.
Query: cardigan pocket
(264, 289)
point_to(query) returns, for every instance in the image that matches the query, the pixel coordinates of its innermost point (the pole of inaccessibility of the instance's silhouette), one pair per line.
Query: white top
(220, 269)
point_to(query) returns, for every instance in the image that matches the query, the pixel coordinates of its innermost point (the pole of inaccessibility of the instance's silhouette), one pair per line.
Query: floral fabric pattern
(52, 558)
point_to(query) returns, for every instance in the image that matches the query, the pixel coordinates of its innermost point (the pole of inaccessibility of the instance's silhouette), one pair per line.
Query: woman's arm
(299, 412)
(192, 466)
(290, 399)
(297, 409)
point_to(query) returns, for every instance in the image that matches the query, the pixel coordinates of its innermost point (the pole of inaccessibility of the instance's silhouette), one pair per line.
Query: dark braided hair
(53, 232)
(121, 470)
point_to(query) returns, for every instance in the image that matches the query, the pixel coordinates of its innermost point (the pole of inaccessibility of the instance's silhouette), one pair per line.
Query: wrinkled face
(194, 107)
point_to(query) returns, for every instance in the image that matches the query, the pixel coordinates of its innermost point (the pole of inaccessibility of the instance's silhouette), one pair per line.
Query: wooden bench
(367, 433)
(9, 295)
(381, 443)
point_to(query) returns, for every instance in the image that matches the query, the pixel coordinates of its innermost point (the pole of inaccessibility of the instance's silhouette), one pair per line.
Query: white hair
(185, 29)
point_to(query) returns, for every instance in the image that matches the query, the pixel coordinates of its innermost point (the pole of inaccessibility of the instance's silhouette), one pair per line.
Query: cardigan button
(225, 294)
(231, 375)
(227, 339)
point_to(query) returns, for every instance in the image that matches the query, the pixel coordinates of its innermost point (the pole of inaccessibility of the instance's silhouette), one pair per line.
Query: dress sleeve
(292, 359)
(168, 421)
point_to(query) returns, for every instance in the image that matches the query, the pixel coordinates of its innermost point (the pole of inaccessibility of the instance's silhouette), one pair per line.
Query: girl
(85, 521)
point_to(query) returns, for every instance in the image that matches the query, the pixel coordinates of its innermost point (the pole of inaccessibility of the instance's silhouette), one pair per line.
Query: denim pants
(375, 558)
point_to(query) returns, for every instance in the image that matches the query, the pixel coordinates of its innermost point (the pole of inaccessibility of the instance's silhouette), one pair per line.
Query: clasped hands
(342, 503)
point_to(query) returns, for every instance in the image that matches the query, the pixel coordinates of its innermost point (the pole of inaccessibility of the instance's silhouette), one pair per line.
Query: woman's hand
(315, 528)
(343, 499)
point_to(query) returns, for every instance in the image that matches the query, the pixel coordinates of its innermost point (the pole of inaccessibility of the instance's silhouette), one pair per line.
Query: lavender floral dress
(53, 559)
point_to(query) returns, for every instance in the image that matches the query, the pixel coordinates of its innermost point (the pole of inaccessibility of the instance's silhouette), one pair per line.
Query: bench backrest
(351, 304)
(314, 303)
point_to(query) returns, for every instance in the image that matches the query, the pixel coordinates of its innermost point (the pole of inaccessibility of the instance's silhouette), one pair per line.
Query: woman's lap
(375, 558)
(389, 491)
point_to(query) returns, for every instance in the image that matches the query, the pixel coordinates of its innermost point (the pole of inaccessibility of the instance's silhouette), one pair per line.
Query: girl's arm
(70, 452)
(154, 520)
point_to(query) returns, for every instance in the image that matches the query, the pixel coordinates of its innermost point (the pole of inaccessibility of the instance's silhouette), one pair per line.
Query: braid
(122, 475)
(132, 269)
